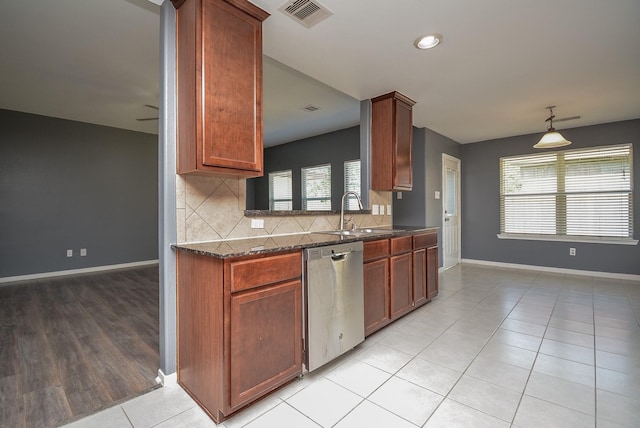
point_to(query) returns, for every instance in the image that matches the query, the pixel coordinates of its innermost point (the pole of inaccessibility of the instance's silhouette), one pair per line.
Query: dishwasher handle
(336, 257)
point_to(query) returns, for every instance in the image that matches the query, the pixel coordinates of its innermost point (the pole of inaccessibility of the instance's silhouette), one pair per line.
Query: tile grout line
(534, 362)
(478, 353)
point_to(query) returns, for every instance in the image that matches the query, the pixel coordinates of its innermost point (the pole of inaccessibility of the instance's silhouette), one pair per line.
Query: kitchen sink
(360, 232)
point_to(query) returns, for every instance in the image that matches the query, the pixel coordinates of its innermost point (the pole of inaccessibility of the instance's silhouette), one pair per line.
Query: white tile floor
(496, 348)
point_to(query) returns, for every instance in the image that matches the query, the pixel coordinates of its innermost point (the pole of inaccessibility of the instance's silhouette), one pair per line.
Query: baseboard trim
(76, 271)
(167, 380)
(626, 276)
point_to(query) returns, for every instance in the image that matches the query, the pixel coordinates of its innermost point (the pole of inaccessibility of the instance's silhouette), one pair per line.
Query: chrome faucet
(349, 192)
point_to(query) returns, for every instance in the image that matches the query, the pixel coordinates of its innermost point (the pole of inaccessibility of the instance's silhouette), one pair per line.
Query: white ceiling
(501, 63)
(94, 61)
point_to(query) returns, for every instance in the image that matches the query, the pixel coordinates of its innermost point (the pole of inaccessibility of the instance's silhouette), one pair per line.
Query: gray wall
(71, 185)
(419, 207)
(481, 206)
(334, 148)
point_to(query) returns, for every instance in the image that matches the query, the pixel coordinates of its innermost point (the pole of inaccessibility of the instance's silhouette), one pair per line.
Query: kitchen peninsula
(240, 306)
(241, 303)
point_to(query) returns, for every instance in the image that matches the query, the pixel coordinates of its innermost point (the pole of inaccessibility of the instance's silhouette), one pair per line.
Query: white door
(451, 211)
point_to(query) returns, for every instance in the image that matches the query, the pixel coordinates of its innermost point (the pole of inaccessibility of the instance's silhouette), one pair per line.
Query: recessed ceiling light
(428, 42)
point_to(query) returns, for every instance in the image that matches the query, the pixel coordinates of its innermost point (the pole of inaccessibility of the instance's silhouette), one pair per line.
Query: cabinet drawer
(425, 240)
(255, 272)
(376, 249)
(401, 244)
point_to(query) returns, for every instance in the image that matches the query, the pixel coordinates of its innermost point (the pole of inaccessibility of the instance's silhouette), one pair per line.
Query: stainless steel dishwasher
(334, 301)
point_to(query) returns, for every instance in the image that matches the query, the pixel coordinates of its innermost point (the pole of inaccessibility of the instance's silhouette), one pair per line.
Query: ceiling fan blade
(563, 119)
(142, 119)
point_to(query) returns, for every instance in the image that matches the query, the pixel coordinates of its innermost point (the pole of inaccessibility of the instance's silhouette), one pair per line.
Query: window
(316, 188)
(570, 193)
(352, 182)
(280, 195)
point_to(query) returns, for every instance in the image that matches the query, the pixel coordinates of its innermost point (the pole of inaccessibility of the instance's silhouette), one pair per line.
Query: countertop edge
(224, 249)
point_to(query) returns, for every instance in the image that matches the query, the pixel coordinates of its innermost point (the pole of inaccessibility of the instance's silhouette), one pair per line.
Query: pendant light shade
(552, 138)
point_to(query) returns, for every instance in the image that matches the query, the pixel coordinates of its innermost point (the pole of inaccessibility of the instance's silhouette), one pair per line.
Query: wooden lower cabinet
(432, 272)
(401, 285)
(377, 310)
(265, 347)
(236, 346)
(425, 267)
(240, 319)
(376, 295)
(420, 277)
(400, 279)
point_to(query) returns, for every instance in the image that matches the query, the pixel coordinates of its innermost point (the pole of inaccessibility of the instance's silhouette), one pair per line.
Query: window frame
(320, 199)
(287, 173)
(558, 181)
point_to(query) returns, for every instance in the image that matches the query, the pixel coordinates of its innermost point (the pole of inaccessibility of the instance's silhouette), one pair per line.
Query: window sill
(590, 240)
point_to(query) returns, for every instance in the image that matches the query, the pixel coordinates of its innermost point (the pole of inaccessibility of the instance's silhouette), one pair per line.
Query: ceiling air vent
(306, 12)
(310, 108)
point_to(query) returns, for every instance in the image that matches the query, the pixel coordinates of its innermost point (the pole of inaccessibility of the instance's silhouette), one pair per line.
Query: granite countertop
(271, 244)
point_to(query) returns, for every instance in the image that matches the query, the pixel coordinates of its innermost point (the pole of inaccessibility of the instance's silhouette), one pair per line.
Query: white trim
(558, 238)
(610, 275)
(167, 380)
(76, 271)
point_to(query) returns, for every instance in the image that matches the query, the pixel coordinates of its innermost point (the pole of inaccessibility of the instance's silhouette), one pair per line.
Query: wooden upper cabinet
(391, 140)
(219, 80)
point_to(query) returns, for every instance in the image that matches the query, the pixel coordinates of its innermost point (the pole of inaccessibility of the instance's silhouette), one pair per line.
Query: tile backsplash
(212, 208)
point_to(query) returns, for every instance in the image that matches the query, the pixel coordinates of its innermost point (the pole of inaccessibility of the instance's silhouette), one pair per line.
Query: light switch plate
(399, 195)
(257, 223)
(83, 252)
(375, 209)
(388, 209)
(437, 195)
(381, 209)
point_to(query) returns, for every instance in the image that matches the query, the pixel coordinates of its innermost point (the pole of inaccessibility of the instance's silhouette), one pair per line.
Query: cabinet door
(432, 272)
(376, 295)
(420, 277)
(401, 285)
(403, 173)
(391, 140)
(232, 87)
(265, 340)
(219, 87)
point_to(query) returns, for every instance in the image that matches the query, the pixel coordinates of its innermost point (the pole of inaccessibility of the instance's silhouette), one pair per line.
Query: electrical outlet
(572, 251)
(69, 253)
(257, 223)
(83, 252)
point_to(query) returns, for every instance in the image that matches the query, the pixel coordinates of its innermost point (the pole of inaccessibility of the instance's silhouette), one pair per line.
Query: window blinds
(352, 182)
(316, 188)
(584, 192)
(280, 193)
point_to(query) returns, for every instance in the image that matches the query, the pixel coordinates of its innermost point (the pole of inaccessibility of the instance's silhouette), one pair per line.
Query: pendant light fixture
(552, 138)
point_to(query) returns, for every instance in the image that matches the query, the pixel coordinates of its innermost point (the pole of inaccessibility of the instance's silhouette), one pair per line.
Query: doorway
(451, 230)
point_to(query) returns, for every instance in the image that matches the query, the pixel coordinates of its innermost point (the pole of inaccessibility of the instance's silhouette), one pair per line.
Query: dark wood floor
(70, 346)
